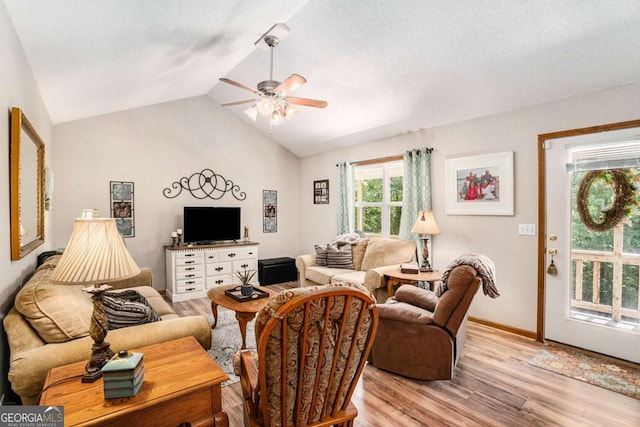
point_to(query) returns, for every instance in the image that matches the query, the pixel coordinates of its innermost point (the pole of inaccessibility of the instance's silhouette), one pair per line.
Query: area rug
(618, 377)
(226, 340)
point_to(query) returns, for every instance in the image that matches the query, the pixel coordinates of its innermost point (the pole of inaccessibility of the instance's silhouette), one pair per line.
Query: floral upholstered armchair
(312, 344)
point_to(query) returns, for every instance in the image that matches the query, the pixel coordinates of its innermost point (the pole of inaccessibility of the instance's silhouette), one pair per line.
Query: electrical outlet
(527, 229)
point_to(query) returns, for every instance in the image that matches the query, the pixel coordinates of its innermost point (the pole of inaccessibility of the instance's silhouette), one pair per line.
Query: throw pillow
(385, 251)
(357, 253)
(58, 313)
(321, 256)
(348, 238)
(127, 308)
(339, 257)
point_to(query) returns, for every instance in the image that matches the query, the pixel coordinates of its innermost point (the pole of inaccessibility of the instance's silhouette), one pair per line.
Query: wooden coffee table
(245, 311)
(182, 384)
(396, 277)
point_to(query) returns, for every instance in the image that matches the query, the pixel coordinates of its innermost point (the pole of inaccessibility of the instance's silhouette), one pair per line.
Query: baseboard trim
(517, 331)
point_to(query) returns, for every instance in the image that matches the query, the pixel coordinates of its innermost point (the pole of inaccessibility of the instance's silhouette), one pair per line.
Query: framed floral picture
(480, 185)
(122, 208)
(270, 211)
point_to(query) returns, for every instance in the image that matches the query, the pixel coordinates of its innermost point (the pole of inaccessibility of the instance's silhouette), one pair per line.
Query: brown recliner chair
(420, 335)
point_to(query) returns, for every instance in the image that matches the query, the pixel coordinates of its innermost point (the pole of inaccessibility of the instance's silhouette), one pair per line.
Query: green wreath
(623, 199)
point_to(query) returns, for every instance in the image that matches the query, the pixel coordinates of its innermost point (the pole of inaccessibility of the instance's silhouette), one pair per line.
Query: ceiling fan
(273, 98)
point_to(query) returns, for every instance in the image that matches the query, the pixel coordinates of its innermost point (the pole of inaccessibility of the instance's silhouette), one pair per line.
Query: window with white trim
(378, 198)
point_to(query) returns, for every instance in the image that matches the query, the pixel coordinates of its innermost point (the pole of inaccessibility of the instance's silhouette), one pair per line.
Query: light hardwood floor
(494, 385)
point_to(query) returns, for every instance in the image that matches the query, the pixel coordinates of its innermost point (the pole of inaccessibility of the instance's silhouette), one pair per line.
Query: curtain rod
(384, 159)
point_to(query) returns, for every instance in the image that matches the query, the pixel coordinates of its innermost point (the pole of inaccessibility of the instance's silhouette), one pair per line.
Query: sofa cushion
(351, 277)
(357, 253)
(321, 255)
(127, 308)
(339, 257)
(323, 275)
(381, 252)
(58, 313)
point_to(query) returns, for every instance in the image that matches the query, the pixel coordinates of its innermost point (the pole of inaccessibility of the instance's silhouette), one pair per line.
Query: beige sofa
(372, 257)
(49, 327)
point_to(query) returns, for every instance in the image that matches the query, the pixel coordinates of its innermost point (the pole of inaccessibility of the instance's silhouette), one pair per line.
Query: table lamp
(95, 255)
(424, 226)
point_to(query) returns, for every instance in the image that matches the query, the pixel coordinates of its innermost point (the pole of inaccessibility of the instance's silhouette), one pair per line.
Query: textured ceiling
(384, 67)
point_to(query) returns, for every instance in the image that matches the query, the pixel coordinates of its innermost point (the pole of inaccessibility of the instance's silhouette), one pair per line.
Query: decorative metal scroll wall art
(122, 207)
(205, 184)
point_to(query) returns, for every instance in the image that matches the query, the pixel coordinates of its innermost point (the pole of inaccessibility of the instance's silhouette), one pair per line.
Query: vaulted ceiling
(383, 67)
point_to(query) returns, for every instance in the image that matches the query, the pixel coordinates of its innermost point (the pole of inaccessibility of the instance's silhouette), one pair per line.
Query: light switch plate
(527, 229)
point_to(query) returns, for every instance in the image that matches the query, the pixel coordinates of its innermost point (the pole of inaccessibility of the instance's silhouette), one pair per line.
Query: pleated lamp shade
(95, 254)
(425, 224)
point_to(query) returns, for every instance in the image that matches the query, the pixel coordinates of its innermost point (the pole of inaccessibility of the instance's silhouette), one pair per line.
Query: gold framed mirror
(26, 158)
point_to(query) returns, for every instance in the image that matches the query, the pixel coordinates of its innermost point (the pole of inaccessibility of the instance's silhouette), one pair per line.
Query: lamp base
(100, 354)
(426, 269)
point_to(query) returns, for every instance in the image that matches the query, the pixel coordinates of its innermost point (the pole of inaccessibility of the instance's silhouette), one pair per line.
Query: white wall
(156, 146)
(515, 256)
(18, 89)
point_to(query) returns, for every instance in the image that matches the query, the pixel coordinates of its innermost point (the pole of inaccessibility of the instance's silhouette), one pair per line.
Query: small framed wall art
(122, 208)
(270, 211)
(321, 192)
(480, 185)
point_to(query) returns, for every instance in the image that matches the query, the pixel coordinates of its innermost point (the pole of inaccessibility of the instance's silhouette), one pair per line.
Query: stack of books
(123, 375)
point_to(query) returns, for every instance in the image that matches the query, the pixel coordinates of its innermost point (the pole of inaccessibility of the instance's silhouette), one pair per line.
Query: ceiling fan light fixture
(276, 118)
(290, 111)
(265, 107)
(251, 112)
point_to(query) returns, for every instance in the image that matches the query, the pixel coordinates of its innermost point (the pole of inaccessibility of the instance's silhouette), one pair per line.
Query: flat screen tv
(208, 224)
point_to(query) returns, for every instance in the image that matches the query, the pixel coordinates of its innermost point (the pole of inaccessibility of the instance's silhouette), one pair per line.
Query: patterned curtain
(346, 200)
(416, 194)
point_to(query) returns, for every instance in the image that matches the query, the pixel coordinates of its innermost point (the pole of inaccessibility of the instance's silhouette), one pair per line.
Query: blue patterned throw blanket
(483, 265)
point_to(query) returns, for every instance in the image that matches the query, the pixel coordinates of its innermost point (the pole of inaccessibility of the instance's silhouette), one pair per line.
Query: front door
(591, 290)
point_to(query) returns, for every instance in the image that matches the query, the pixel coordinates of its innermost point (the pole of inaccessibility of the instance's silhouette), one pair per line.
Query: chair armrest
(249, 382)
(302, 262)
(142, 279)
(374, 277)
(404, 312)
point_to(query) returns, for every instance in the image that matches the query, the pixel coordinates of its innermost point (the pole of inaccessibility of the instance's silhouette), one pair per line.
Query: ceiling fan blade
(292, 83)
(246, 101)
(306, 102)
(240, 85)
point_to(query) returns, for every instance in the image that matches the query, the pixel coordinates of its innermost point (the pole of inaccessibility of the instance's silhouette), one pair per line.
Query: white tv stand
(192, 270)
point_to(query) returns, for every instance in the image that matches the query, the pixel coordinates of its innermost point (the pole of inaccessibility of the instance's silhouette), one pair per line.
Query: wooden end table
(182, 384)
(245, 310)
(396, 277)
